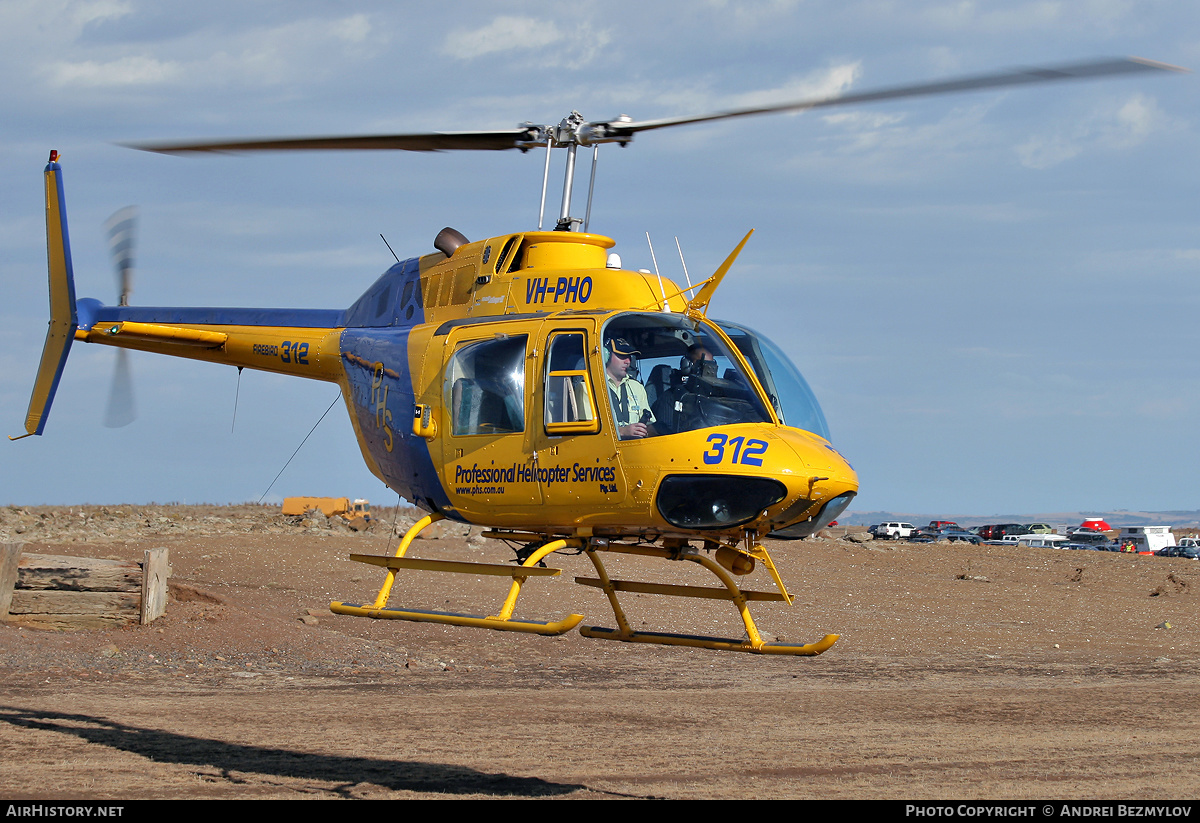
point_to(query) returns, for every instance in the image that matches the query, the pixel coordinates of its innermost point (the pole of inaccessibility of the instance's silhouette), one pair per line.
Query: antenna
(545, 181)
(389, 245)
(587, 218)
(687, 276)
(238, 390)
(666, 305)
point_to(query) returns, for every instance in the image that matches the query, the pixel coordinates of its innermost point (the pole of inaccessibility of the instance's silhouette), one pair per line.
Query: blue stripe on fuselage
(385, 303)
(378, 330)
(217, 316)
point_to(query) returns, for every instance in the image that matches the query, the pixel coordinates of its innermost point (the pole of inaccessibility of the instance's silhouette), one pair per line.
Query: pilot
(630, 404)
(698, 353)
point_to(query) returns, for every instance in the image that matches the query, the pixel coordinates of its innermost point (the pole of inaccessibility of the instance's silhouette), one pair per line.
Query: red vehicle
(942, 524)
(998, 531)
(1096, 524)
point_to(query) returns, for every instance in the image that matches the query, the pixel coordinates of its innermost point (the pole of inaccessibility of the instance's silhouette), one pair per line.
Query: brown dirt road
(984, 672)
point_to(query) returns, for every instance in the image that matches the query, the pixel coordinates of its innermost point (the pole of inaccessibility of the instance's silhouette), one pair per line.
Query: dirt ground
(962, 672)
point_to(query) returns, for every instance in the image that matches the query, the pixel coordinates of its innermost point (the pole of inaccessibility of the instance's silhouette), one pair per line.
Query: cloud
(814, 86)
(1134, 121)
(969, 14)
(522, 34)
(125, 71)
(1116, 127)
(1104, 17)
(266, 55)
(889, 147)
(81, 14)
(1046, 151)
(753, 15)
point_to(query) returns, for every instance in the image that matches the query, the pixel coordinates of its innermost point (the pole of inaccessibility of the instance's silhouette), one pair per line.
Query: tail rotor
(121, 229)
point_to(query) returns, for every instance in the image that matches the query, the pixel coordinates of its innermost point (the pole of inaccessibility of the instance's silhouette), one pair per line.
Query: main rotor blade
(584, 133)
(1014, 77)
(432, 141)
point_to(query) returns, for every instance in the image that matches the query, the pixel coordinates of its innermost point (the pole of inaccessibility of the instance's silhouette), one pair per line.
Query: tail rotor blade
(120, 410)
(121, 229)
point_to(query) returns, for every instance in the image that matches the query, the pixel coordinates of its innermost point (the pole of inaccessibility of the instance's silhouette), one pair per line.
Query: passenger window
(485, 384)
(568, 395)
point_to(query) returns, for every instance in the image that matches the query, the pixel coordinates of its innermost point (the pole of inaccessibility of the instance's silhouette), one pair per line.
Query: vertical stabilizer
(63, 320)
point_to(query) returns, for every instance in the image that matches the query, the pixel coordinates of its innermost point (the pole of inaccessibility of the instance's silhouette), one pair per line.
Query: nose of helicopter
(779, 480)
(820, 485)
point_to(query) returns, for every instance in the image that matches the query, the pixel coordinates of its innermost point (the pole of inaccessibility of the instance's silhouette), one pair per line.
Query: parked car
(953, 534)
(1090, 540)
(942, 524)
(1005, 529)
(1038, 541)
(959, 535)
(892, 530)
(1190, 552)
(1039, 528)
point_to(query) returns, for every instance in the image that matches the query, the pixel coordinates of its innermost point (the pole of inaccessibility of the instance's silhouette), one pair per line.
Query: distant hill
(1117, 519)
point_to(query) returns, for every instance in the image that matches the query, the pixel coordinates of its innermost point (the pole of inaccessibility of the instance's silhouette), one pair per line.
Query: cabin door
(488, 464)
(576, 452)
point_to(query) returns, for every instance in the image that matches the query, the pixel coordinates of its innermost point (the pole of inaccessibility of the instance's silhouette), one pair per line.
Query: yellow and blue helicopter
(529, 384)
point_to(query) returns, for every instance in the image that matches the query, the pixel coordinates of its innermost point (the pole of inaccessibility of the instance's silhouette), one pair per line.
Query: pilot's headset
(619, 345)
(700, 368)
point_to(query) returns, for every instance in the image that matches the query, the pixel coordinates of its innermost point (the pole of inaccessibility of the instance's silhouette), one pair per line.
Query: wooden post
(10, 553)
(154, 584)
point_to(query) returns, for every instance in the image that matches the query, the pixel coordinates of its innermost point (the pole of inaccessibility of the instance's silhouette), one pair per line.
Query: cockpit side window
(570, 405)
(485, 387)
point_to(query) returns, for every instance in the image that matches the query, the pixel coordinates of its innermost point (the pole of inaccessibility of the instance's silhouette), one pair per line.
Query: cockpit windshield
(668, 374)
(789, 393)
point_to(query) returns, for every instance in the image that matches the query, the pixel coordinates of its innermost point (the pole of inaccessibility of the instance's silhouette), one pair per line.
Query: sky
(993, 295)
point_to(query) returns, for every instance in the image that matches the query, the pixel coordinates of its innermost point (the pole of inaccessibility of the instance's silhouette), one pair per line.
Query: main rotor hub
(574, 130)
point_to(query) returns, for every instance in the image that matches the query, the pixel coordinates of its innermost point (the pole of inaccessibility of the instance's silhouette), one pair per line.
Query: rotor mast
(571, 133)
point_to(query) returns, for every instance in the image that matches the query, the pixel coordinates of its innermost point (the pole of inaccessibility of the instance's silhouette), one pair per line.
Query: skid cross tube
(502, 620)
(753, 641)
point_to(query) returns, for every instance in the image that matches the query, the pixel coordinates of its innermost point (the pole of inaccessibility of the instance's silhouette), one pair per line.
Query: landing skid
(503, 620)
(456, 619)
(700, 641)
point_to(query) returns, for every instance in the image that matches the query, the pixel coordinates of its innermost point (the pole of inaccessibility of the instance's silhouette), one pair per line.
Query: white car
(893, 530)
